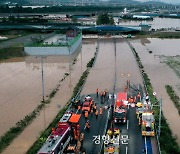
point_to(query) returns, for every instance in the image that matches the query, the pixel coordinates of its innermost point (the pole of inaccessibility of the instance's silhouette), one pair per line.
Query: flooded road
(161, 74)
(23, 142)
(102, 74)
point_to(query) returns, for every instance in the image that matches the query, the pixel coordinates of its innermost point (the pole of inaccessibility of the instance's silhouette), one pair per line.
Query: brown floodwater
(157, 23)
(20, 88)
(23, 142)
(161, 74)
(20, 83)
(102, 74)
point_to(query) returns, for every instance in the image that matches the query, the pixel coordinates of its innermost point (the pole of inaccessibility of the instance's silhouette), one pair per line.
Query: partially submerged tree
(105, 19)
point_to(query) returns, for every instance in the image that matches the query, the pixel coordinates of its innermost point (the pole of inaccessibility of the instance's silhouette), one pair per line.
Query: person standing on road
(134, 99)
(125, 88)
(86, 115)
(100, 110)
(87, 125)
(95, 107)
(97, 93)
(79, 107)
(96, 113)
(104, 95)
(139, 97)
(101, 94)
(91, 111)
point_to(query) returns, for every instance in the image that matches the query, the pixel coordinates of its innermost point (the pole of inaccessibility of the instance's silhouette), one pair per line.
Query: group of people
(103, 95)
(94, 110)
(135, 98)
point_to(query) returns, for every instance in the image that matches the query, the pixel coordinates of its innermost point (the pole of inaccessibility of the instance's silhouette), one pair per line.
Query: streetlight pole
(160, 115)
(42, 76)
(42, 72)
(160, 111)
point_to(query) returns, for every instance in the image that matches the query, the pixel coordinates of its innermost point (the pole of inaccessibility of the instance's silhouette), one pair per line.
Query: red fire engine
(120, 108)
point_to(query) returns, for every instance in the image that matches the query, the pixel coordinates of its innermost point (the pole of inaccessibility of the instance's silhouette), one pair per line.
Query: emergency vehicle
(86, 107)
(147, 124)
(112, 143)
(76, 144)
(58, 140)
(139, 111)
(67, 131)
(88, 98)
(120, 108)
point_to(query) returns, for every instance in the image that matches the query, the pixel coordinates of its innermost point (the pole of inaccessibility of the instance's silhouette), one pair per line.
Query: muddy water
(160, 75)
(20, 85)
(127, 68)
(20, 88)
(157, 23)
(102, 74)
(23, 142)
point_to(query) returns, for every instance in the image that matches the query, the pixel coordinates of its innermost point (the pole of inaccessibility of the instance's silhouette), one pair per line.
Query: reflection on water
(54, 59)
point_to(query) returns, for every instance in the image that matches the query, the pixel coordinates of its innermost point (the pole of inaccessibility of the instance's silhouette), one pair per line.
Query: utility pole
(42, 72)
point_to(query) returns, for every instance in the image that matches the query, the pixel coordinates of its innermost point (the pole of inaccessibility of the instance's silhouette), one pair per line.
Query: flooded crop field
(161, 74)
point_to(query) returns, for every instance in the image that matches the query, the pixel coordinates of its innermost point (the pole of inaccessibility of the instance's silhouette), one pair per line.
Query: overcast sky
(166, 1)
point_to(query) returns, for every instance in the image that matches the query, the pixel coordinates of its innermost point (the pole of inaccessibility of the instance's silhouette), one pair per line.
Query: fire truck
(120, 108)
(76, 144)
(147, 124)
(60, 139)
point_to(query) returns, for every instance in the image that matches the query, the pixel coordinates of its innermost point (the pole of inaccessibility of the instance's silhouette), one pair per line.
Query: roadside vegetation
(11, 52)
(168, 142)
(159, 34)
(174, 63)
(173, 97)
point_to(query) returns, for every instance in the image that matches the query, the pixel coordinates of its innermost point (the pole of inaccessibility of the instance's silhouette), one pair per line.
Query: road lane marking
(126, 149)
(145, 144)
(127, 124)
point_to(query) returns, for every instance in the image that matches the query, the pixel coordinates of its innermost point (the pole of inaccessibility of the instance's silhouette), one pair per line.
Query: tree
(74, 19)
(105, 19)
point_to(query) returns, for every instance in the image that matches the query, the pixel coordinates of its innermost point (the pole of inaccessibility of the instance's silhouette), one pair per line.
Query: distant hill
(154, 3)
(14, 1)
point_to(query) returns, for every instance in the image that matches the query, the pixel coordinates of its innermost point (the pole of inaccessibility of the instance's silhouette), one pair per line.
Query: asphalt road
(131, 141)
(97, 128)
